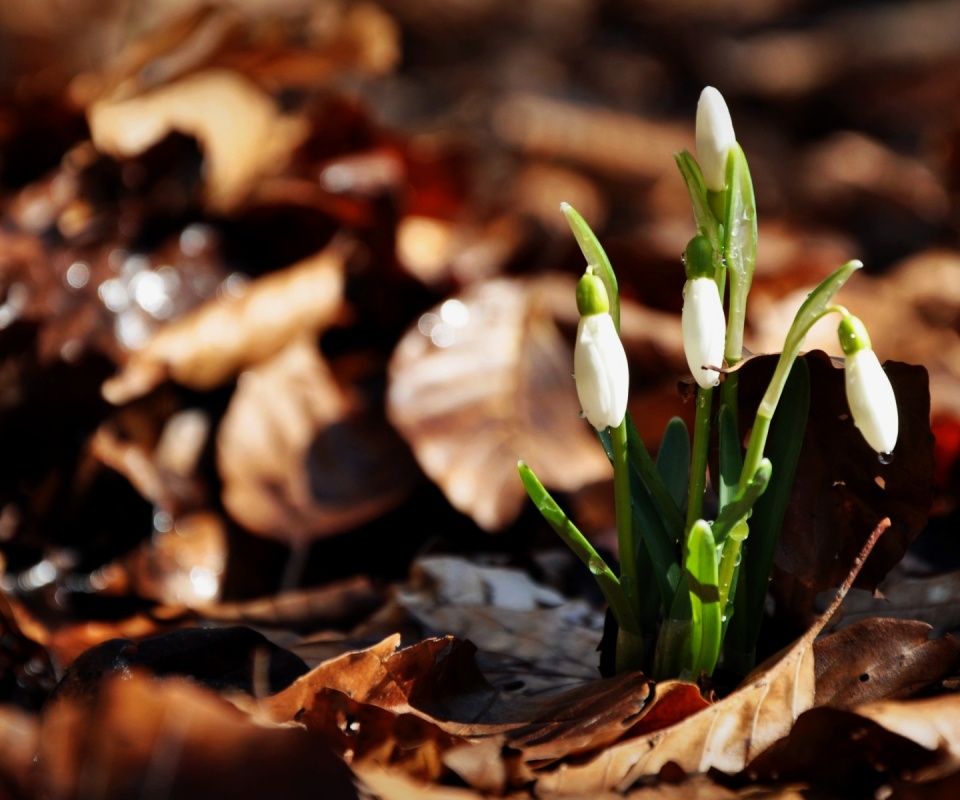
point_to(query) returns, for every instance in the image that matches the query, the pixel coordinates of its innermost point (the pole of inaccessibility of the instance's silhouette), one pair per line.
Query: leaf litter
(263, 373)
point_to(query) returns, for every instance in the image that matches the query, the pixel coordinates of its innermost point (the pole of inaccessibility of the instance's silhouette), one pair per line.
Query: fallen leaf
(141, 736)
(301, 459)
(841, 489)
(484, 380)
(234, 658)
(215, 342)
(880, 659)
(932, 599)
(241, 130)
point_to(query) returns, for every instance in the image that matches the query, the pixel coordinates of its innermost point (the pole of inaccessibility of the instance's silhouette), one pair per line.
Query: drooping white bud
(715, 138)
(599, 360)
(873, 404)
(704, 329)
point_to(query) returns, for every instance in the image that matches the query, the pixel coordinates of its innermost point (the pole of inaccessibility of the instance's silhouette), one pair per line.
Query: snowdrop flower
(715, 138)
(870, 396)
(599, 361)
(702, 322)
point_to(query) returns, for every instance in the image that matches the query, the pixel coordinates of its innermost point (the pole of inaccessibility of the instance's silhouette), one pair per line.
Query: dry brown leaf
(142, 737)
(215, 342)
(880, 659)
(483, 381)
(527, 628)
(19, 740)
(241, 130)
(299, 458)
(934, 600)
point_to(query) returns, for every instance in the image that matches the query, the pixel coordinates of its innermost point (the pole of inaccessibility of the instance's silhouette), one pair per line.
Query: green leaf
(693, 178)
(731, 457)
(702, 569)
(659, 543)
(739, 248)
(739, 508)
(674, 654)
(577, 542)
(640, 460)
(673, 459)
(784, 446)
(596, 257)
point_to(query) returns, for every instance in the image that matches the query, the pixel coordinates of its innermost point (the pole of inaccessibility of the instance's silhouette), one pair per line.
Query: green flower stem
(625, 539)
(813, 308)
(698, 458)
(577, 542)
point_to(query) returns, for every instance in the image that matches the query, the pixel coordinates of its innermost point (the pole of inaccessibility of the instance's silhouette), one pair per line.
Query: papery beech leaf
(483, 381)
(881, 659)
(141, 735)
(841, 490)
(216, 341)
(241, 129)
(299, 458)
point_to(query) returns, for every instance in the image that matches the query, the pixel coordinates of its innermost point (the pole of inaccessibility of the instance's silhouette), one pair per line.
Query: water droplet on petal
(885, 458)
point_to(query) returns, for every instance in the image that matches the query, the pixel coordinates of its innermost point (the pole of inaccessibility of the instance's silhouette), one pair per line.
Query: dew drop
(596, 566)
(885, 458)
(583, 415)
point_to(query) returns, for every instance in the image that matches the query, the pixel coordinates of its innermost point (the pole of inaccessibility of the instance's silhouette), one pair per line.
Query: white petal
(872, 402)
(715, 138)
(600, 367)
(704, 329)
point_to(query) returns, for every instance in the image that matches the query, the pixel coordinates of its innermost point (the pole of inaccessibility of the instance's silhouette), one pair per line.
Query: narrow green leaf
(731, 457)
(784, 446)
(674, 654)
(659, 543)
(739, 248)
(673, 459)
(646, 469)
(743, 501)
(581, 547)
(702, 570)
(693, 178)
(596, 257)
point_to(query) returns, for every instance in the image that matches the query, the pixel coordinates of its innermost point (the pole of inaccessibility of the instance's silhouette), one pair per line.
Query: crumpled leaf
(526, 632)
(241, 130)
(140, 736)
(484, 380)
(235, 658)
(934, 599)
(219, 339)
(880, 659)
(299, 458)
(841, 490)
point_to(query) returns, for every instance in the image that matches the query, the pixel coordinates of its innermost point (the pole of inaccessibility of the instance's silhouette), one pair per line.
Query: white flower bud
(600, 368)
(704, 329)
(715, 138)
(872, 402)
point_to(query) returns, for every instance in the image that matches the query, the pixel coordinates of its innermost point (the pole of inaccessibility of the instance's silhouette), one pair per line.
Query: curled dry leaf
(933, 599)
(535, 636)
(140, 736)
(484, 380)
(881, 659)
(215, 342)
(299, 459)
(241, 130)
